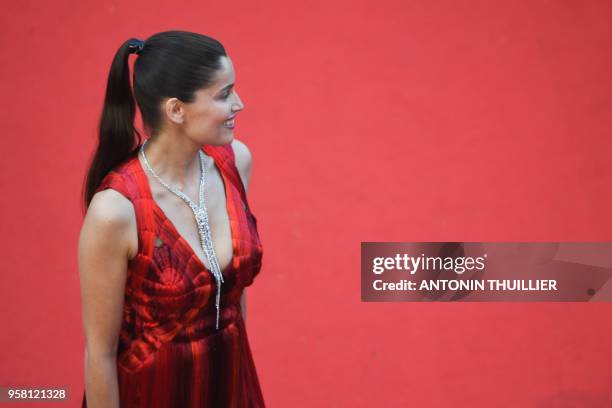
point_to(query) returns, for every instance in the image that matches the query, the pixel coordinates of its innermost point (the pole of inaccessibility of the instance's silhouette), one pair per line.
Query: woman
(169, 243)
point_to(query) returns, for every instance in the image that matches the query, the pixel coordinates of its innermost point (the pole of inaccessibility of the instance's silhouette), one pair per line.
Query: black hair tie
(136, 45)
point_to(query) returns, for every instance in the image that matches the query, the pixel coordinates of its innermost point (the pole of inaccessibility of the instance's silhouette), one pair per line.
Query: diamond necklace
(201, 217)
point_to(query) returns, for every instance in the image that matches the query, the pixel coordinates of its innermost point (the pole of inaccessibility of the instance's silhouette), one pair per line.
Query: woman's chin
(229, 135)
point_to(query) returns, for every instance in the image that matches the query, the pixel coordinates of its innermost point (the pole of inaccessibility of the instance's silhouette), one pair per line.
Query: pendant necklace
(201, 217)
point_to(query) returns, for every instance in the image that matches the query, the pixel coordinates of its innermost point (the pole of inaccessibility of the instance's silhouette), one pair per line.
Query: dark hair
(171, 64)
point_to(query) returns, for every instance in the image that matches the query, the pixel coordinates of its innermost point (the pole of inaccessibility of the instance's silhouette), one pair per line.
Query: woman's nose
(239, 105)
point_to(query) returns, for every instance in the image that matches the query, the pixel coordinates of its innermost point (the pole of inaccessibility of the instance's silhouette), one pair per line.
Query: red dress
(170, 354)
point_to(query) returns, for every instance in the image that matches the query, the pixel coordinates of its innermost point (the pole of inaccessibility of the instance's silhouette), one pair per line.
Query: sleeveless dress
(170, 354)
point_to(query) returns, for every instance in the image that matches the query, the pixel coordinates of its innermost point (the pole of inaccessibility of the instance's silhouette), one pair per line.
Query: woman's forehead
(223, 77)
(225, 73)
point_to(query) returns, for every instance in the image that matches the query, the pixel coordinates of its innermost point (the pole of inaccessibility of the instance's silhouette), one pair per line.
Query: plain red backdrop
(368, 121)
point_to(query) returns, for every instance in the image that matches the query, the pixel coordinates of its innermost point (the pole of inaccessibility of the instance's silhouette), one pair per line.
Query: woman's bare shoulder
(111, 216)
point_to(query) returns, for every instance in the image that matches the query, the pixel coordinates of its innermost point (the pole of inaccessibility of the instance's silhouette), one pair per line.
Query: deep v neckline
(174, 231)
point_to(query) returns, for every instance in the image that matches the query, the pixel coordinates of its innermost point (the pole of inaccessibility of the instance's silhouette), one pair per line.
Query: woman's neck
(174, 159)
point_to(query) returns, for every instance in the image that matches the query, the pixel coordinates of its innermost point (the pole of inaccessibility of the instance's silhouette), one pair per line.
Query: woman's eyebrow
(226, 87)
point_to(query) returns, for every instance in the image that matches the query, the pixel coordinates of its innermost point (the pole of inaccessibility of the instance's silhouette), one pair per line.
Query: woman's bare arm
(243, 305)
(106, 243)
(244, 164)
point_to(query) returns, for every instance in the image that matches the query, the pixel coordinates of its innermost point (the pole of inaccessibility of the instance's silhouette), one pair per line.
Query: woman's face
(208, 120)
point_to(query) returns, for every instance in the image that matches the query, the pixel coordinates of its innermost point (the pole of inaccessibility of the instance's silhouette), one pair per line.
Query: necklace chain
(201, 217)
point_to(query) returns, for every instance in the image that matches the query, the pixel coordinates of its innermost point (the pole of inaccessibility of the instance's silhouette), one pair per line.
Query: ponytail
(116, 137)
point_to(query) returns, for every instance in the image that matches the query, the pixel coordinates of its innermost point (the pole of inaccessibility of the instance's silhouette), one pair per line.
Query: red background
(368, 121)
